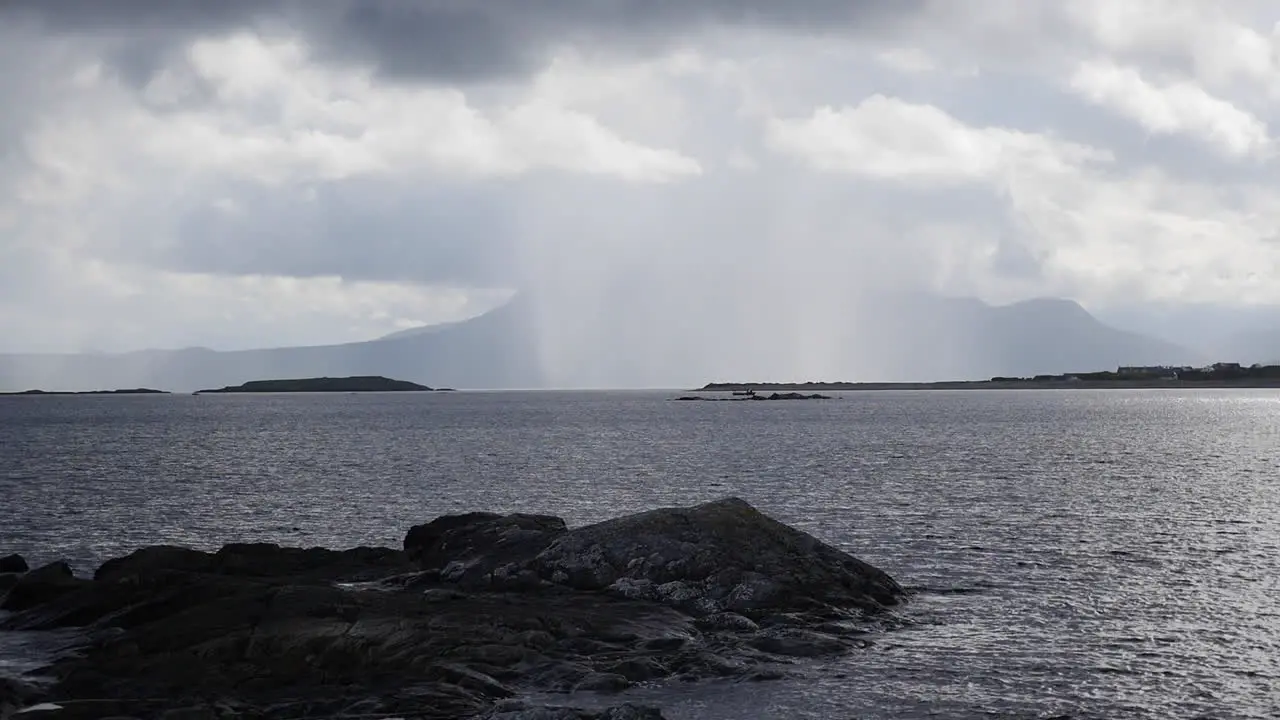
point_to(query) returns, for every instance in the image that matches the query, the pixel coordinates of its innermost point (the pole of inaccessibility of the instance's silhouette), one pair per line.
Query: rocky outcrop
(724, 555)
(483, 549)
(749, 398)
(15, 695)
(477, 610)
(42, 585)
(264, 560)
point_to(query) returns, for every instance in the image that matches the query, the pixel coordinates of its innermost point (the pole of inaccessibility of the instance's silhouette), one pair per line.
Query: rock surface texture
(477, 611)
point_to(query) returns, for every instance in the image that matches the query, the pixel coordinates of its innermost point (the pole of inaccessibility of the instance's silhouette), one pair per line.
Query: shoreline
(1251, 384)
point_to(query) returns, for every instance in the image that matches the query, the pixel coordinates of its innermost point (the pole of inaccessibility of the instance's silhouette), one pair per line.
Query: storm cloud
(446, 40)
(239, 174)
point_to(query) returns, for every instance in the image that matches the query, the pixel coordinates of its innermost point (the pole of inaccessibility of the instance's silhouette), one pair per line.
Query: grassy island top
(363, 383)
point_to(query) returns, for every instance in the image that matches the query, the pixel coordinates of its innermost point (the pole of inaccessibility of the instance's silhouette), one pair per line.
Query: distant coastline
(1218, 375)
(362, 383)
(128, 391)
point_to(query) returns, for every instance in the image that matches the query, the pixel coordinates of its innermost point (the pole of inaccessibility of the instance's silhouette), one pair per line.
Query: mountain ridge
(929, 337)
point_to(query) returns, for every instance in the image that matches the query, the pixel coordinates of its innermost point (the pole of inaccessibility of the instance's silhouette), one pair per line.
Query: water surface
(1097, 554)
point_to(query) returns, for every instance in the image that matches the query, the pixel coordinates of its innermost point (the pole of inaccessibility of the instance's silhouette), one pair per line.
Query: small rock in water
(13, 564)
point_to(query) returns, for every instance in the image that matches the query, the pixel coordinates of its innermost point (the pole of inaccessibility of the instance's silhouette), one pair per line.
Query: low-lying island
(475, 611)
(359, 383)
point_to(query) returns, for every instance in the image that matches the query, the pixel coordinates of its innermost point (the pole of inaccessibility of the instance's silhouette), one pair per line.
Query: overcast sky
(237, 174)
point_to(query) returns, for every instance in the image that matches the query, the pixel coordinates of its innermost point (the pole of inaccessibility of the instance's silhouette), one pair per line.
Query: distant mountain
(491, 351)
(1233, 334)
(901, 338)
(964, 338)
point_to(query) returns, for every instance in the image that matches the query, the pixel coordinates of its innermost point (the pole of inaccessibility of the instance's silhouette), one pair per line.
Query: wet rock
(267, 560)
(190, 713)
(639, 669)
(726, 554)
(728, 621)
(621, 712)
(797, 642)
(469, 679)
(603, 683)
(8, 580)
(766, 675)
(631, 712)
(705, 665)
(482, 550)
(42, 585)
(261, 560)
(476, 610)
(15, 694)
(153, 559)
(13, 564)
(443, 595)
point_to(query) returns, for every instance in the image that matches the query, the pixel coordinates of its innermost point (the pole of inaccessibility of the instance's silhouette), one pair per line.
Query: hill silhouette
(910, 337)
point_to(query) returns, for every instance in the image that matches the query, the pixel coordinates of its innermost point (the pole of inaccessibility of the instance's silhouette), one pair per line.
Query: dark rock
(15, 695)
(491, 607)
(42, 585)
(728, 621)
(153, 559)
(639, 669)
(621, 712)
(725, 554)
(8, 580)
(190, 713)
(264, 560)
(602, 683)
(13, 564)
(443, 595)
(483, 549)
(791, 396)
(272, 561)
(797, 642)
(628, 711)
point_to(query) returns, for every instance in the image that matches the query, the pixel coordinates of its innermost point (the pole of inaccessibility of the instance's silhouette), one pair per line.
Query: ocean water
(1108, 554)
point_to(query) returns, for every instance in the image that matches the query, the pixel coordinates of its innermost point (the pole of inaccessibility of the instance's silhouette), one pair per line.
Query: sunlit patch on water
(1104, 554)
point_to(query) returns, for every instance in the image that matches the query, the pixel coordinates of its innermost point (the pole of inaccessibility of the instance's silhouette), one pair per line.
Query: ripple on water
(1083, 554)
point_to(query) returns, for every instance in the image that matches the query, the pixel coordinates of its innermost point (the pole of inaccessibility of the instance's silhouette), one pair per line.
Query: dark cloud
(120, 15)
(361, 231)
(453, 40)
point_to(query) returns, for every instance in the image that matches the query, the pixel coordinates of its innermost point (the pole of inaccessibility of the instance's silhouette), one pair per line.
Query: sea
(1072, 553)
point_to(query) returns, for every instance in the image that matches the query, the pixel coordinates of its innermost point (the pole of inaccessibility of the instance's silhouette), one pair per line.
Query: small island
(748, 395)
(126, 391)
(362, 383)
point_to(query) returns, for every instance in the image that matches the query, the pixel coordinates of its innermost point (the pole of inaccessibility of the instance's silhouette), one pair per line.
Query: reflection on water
(1104, 554)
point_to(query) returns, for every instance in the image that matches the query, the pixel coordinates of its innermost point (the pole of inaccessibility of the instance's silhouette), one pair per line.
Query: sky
(241, 174)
